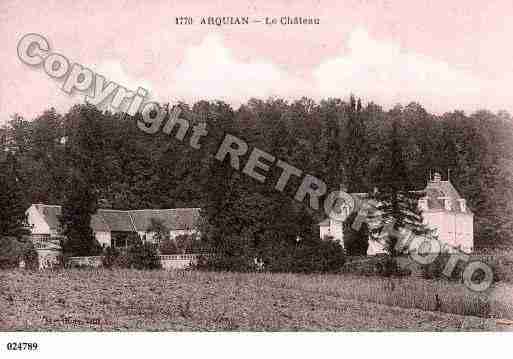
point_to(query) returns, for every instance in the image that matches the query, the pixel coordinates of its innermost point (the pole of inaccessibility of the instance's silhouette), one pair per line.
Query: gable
(50, 214)
(436, 190)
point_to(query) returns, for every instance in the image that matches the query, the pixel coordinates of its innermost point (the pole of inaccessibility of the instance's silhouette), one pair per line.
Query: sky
(446, 55)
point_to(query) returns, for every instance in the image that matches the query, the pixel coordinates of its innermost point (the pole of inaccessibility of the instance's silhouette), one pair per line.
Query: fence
(168, 262)
(93, 262)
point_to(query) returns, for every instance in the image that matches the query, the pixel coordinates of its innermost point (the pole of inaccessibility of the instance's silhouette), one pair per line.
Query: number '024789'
(22, 346)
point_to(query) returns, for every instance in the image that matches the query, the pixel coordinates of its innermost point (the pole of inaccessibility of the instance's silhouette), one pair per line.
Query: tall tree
(13, 205)
(355, 147)
(79, 205)
(398, 202)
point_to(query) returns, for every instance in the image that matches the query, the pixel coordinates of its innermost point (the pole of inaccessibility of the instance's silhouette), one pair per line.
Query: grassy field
(193, 301)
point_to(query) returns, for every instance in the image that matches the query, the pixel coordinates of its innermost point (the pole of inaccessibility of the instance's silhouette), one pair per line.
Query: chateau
(443, 210)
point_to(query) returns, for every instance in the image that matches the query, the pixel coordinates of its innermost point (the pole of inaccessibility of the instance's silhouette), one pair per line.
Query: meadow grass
(100, 299)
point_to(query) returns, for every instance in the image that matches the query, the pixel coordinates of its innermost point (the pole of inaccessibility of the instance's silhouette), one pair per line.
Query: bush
(139, 256)
(323, 256)
(168, 246)
(31, 259)
(80, 247)
(14, 250)
(233, 254)
(435, 269)
(110, 256)
(238, 254)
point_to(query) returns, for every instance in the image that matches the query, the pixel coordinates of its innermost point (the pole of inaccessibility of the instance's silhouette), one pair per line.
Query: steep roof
(50, 214)
(437, 189)
(434, 190)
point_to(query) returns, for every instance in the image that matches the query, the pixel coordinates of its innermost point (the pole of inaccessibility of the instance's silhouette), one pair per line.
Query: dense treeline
(339, 142)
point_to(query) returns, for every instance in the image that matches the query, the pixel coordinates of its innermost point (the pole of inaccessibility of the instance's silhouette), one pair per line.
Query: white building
(443, 210)
(45, 233)
(110, 227)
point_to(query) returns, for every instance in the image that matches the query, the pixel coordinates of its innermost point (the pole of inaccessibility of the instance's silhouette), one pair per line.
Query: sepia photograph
(252, 172)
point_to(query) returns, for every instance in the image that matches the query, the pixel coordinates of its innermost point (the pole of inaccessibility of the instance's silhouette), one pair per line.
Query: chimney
(463, 205)
(437, 177)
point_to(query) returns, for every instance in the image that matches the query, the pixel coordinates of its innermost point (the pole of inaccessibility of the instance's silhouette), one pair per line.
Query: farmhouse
(45, 233)
(110, 227)
(443, 210)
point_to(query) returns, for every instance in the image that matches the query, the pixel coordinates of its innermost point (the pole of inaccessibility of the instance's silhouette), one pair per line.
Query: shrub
(322, 256)
(31, 259)
(142, 256)
(122, 260)
(189, 243)
(14, 250)
(168, 246)
(235, 253)
(435, 269)
(110, 256)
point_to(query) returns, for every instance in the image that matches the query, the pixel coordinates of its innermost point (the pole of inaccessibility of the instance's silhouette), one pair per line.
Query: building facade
(443, 210)
(111, 227)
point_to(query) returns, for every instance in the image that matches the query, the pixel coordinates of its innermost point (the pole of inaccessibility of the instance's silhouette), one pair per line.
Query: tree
(14, 250)
(397, 200)
(355, 147)
(143, 256)
(356, 241)
(13, 205)
(79, 205)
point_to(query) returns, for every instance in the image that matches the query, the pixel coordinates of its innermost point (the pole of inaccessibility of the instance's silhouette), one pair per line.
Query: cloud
(115, 71)
(383, 72)
(210, 71)
(375, 70)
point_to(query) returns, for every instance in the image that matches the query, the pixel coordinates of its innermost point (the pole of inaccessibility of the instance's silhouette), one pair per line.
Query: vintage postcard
(251, 166)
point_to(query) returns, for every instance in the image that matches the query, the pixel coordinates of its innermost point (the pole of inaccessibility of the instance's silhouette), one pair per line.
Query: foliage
(161, 232)
(238, 254)
(110, 256)
(233, 254)
(322, 257)
(14, 250)
(168, 246)
(356, 242)
(13, 206)
(434, 270)
(338, 141)
(77, 209)
(396, 201)
(141, 256)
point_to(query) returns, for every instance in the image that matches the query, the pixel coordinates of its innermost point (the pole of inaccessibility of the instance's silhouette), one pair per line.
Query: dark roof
(107, 220)
(98, 224)
(51, 214)
(325, 223)
(436, 190)
(433, 191)
(172, 219)
(116, 221)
